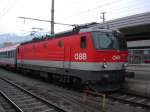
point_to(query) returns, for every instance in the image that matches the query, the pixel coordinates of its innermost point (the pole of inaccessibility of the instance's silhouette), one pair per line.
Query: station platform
(141, 71)
(139, 67)
(141, 82)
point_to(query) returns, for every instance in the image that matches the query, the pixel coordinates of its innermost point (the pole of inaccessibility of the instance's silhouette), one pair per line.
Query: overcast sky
(66, 11)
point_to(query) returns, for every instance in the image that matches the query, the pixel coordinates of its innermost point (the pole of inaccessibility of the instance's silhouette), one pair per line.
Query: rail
(24, 100)
(132, 99)
(87, 92)
(8, 99)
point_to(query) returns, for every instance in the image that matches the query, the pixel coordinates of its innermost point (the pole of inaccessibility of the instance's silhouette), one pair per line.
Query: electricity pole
(103, 16)
(52, 18)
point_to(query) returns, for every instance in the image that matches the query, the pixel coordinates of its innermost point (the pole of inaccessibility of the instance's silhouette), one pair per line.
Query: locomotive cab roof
(95, 29)
(76, 30)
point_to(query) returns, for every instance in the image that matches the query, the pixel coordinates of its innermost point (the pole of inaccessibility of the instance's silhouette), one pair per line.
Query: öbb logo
(116, 57)
(80, 56)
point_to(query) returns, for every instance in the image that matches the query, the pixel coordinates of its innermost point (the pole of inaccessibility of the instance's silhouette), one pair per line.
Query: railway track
(23, 100)
(5, 105)
(71, 100)
(131, 99)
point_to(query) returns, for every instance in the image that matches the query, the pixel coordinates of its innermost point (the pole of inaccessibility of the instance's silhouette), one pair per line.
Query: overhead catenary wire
(6, 9)
(42, 20)
(88, 10)
(126, 12)
(113, 9)
(128, 8)
(114, 3)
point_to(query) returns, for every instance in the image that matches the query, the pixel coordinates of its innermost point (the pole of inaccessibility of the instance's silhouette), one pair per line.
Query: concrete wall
(141, 87)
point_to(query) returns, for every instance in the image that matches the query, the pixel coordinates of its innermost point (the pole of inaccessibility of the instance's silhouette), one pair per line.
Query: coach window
(8, 54)
(11, 54)
(83, 42)
(5, 54)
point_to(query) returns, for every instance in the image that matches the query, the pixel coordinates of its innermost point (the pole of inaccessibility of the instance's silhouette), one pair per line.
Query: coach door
(67, 58)
(18, 56)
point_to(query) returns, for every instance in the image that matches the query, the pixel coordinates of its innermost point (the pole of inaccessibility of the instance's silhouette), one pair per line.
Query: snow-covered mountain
(13, 38)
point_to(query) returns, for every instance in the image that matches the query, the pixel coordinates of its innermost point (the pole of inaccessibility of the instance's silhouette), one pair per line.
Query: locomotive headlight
(105, 65)
(125, 64)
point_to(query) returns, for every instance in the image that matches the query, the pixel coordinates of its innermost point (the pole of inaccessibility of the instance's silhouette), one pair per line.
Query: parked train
(8, 56)
(146, 56)
(82, 56)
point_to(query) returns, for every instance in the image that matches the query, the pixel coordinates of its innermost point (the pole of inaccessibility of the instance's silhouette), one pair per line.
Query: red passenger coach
(80, 56)
(8, 56)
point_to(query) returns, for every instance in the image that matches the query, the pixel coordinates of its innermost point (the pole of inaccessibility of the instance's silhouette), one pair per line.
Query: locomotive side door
(67, 57)
(21, 57)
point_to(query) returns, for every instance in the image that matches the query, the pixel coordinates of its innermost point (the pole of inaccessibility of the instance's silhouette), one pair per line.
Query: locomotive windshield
(107, 40)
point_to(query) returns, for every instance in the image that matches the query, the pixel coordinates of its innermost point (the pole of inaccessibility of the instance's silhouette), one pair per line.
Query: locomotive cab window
(83, 42)
(107, 40)
(103, 40)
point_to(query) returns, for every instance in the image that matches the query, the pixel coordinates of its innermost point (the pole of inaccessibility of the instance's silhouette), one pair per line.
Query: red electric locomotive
(87, 55)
